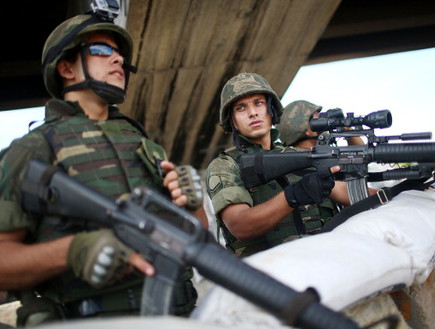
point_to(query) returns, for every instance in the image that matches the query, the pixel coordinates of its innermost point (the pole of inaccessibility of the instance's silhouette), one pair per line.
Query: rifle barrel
(403, 152)
(218, 265)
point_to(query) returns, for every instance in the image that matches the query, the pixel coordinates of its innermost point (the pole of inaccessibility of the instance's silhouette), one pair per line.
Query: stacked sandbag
(373, 253)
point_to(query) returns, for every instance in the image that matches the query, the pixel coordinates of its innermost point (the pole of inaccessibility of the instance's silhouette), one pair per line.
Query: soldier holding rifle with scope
(295, 130)
(294, 127)
(256, 219)
(60, 268)
(260, 168)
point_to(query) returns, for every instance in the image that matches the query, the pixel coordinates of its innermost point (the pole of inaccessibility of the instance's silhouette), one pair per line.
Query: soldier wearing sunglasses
(60, 268)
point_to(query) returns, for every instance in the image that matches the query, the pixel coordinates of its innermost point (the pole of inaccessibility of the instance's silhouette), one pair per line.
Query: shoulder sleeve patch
(213, 182)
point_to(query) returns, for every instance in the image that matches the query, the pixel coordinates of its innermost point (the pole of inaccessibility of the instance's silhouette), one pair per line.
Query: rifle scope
(332, 120)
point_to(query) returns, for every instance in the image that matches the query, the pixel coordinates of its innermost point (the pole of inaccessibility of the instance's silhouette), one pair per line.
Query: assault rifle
(262, 167)
(170, 238)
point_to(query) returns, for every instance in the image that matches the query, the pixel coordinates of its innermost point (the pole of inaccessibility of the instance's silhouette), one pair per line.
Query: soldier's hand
(184, 184)
(311, 189)
(99, 258)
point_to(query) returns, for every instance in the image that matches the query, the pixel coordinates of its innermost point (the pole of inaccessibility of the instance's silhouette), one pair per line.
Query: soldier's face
(103, 62)
(106, 68)
(250, 116)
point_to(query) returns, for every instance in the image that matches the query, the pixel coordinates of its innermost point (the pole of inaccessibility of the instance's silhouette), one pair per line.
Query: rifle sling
(298, 305)
(36, 194)
(382, 197)
(259, 169)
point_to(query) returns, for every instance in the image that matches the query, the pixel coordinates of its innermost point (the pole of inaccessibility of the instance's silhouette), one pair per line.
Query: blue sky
(402, 83)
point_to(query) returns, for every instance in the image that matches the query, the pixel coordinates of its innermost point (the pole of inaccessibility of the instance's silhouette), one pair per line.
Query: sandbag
(374, 252)
(132, 322)
(407, 222)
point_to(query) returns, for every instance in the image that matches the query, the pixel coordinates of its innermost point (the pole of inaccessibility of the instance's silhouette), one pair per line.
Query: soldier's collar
(56, 107)
(114, 113)
(246, 142)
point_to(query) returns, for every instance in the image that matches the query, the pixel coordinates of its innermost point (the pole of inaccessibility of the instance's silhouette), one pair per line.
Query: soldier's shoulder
(31, 143)
(221, 162)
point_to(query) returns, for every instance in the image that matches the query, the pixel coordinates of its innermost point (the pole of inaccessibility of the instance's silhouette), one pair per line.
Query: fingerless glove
(311, 189)
(98, 257)
(190, 184)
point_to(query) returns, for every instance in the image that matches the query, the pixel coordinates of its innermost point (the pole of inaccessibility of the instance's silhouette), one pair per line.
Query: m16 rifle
(262, 167)
(170, 238)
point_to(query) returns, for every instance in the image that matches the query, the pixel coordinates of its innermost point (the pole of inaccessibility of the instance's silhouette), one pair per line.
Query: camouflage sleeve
(13, 166)
(224, 185)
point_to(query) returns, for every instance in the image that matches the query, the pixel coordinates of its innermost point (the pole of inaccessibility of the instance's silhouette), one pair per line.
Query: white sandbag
(407, 222)
(362, 259)
(342, 267)
(132, 322)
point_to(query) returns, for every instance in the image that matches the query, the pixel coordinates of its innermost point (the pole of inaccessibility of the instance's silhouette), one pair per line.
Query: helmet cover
(242, 85)
(295, 120)
(51, 54)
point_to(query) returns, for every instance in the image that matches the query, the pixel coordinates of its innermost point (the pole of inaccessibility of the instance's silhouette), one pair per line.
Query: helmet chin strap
(271, 110)
(309, 137)
(112, 94)
(305, 138)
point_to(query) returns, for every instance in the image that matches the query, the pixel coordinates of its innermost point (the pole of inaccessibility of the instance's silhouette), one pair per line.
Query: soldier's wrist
(290, 197)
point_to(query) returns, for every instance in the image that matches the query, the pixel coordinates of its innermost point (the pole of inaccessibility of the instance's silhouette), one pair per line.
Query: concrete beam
(186, 51)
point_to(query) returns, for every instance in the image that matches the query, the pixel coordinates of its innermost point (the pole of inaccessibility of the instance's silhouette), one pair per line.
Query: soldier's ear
(65, 69)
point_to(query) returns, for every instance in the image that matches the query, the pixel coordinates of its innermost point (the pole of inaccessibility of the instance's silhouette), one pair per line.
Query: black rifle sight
(335, 119)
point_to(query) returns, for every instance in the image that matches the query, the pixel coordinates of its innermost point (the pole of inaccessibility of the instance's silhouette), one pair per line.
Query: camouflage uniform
(110, 156)
(225, 187)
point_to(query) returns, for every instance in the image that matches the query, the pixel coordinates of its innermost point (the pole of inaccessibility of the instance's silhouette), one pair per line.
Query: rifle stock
(262, 167)
(171, 238)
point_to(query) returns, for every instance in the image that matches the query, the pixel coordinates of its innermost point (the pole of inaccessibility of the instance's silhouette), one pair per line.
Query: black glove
(312, 188)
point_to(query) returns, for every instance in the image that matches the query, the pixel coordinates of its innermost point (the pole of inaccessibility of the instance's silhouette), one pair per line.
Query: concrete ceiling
(187, 49)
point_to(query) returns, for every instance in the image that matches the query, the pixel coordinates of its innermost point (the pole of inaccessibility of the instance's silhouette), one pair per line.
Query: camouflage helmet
(295, 119)
(70, 34)
(245, 84)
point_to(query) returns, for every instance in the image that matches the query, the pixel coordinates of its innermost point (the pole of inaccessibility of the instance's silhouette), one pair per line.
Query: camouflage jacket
(111, 156)
(225, 187)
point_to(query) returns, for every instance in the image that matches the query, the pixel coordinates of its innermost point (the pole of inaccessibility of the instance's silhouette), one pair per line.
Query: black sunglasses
(101, 49)
(104, 49)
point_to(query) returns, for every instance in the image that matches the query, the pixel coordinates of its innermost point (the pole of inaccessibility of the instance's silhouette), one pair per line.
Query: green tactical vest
(313, 216)
(111, 157)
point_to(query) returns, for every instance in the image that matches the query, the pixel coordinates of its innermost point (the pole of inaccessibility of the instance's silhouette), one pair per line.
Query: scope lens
(379, 119)
(319, 124)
